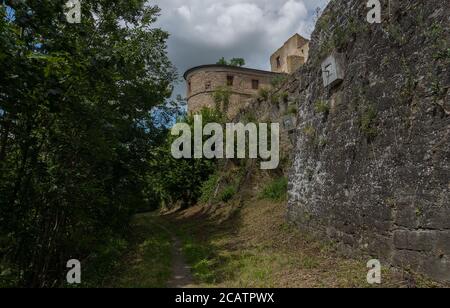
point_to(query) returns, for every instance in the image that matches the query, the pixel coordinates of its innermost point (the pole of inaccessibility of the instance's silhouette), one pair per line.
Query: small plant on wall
(368, 122)
(264, 93)
(221, 97)
(322, 106)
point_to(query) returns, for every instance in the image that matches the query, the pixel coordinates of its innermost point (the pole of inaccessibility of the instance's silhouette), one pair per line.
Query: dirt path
(181, 272)
(181, 276)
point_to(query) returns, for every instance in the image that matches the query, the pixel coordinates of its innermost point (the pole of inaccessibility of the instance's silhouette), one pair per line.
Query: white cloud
(184, 12)
(202, 31)
(225, 22)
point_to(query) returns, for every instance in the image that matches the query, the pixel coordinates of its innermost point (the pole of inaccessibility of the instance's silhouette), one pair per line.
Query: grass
(228, 193)
(254, 247)
(276, 190)
(148, 262)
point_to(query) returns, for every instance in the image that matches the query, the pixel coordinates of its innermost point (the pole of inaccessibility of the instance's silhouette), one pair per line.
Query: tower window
(189, 87)
(230, 81)
(208, 85)
(255, 84)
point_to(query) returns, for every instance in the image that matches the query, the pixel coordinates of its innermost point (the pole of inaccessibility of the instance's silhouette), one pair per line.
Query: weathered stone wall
(292, 55)
(204, 81)
(371, 167)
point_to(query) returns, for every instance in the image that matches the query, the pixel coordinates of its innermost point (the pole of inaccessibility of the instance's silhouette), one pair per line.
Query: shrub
(322, 107)
(263, 93)
(276, 190)
(228, 194)
(274, 99)
(277, 81)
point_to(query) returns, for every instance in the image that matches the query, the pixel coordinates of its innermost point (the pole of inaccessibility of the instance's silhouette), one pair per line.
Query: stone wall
(203, 81)
(371, 162)
(291, 55)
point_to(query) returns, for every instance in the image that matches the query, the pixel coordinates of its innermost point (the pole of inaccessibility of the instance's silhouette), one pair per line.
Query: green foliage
(222, 61)
(228, 193)
(76, 130)
(274, 98)
(264, 94)
(180, 181)
(237, 62)
(276, 190)
(221, 97)
(368, 122)
(278, 81)
(322, 106)
(340, 36)
(309, 131)
(147, 261)
(208, 189)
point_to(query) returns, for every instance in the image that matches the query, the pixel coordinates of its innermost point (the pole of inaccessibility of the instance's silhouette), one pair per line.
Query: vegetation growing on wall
(221, 97)
(236, 62)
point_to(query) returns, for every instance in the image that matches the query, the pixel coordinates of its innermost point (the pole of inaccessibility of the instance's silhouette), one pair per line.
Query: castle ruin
(243, 83)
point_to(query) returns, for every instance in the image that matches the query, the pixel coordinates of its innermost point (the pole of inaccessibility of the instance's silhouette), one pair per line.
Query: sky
(203, 31)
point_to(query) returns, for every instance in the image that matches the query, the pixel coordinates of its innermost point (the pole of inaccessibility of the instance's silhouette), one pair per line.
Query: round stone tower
(243, 83)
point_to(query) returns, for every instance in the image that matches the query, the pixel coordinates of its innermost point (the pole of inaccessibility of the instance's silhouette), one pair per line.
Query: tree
(222, 61)
(237, 62)
(179, 181)
(76, 129)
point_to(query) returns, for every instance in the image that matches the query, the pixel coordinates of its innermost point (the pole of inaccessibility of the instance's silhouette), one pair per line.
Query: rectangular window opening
(255, 84)
(230, 81)
(278, 62)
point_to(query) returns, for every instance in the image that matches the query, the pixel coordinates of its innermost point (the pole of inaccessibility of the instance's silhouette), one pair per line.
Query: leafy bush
(228, 193)
(277, 81)
(264, 93)
(276, 190)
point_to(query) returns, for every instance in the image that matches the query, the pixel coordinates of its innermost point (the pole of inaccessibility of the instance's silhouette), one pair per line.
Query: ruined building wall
(371, 167)
(291, 55)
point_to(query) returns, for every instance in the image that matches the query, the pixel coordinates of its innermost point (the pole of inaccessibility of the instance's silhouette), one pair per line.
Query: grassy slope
(251, 246)
(244, 242)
